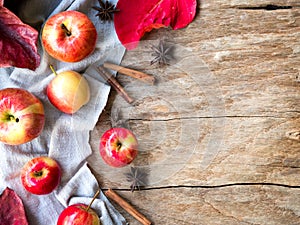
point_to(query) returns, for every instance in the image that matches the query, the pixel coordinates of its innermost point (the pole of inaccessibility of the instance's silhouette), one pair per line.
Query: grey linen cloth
(65, 137)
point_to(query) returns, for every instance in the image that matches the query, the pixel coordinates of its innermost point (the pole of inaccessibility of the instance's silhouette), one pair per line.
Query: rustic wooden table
(219, 132)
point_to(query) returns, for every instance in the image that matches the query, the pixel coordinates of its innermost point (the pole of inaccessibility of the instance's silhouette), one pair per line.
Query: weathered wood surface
(220, 130)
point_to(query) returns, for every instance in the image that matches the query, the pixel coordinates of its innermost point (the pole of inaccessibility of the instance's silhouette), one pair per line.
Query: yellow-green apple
(118, 147)
(69, 36)
(78, 214)
(41, 175)
(68, 91)
(22, 116)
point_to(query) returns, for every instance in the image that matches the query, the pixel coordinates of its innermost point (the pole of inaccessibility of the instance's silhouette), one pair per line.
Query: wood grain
(229, 205)
(219, 130)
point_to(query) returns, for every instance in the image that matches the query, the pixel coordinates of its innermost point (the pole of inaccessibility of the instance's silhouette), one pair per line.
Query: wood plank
(254, 150)
(250, 62)
(237, 205)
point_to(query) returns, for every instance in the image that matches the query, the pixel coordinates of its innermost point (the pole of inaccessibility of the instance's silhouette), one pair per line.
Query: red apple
(78, 214)
(69, 36)
(22, 116)
(41, 175)
(118, 147)
(68, 91)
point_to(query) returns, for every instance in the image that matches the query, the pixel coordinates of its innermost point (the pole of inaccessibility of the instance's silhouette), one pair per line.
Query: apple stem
(65, 29)
(38, 173)
(119, 145)
(95, 196)
(53, 70)
(12, 118)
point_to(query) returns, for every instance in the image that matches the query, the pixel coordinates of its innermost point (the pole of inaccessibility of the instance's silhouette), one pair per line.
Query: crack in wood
(294, 135)
(268, 7)
(212, 186)
(209, 117)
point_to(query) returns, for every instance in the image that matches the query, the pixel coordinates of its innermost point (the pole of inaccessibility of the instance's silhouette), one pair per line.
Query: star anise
(138, 178)
(105, 10)
(162, 53)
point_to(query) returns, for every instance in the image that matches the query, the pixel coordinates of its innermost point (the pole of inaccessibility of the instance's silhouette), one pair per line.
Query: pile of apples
(69, 36)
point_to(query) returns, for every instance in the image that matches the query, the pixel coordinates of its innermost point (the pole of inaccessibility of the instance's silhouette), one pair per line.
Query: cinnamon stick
(126, 206)
(115, 84)
(130, 72)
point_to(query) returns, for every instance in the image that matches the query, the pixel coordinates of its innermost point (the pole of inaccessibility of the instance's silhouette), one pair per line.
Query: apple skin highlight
(22, 116)
(69, 36)
(78, 214)
(118, 147)
(41, 175)
(68, 91)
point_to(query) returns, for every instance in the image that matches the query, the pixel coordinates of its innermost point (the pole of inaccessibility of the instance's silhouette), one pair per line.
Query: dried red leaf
(18, 42)
(12, 210)
(135, 18)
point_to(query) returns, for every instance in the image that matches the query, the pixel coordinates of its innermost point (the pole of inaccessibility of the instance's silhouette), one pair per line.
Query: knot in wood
(294, 135)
